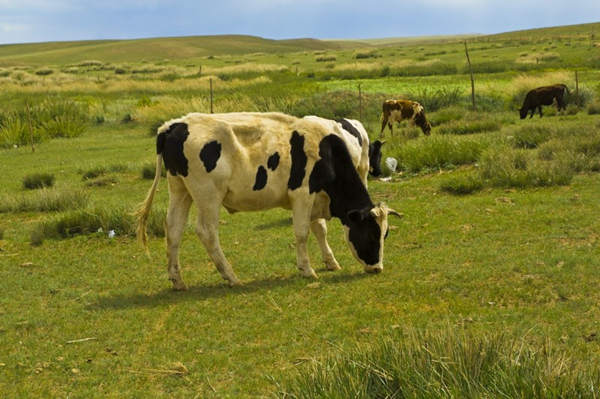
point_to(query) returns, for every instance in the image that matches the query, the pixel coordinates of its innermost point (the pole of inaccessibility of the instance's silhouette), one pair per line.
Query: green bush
(94, 173)
(446, 115)
(462, 184)
(38, 180)
(451, 363)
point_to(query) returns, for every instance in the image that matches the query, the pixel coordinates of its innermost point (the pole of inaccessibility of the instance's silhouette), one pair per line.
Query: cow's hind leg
(540, 109)
(319, 229)
(301, 217)
(179, 205)
(207, 230)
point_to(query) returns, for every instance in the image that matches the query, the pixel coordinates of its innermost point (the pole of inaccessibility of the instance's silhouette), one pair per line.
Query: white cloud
(11, 28)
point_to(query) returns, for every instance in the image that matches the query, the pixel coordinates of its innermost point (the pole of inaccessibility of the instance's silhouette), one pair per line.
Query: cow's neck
(335, 174)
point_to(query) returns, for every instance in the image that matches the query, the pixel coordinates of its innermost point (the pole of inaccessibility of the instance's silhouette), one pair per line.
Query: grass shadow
(276, 223)
(168, 296)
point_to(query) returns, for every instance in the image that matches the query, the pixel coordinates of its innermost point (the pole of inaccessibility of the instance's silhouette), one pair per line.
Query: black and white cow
(255, 161)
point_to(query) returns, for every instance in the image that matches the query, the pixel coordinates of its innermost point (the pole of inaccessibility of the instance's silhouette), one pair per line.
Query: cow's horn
(395, 213)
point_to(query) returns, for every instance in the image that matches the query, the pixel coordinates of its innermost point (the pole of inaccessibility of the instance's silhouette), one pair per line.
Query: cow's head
(375, 158)
(523, 112)
(422, 122)
(366, 230)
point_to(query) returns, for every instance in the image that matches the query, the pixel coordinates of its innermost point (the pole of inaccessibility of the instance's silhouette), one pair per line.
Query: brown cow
(398, 110)
(544, 95)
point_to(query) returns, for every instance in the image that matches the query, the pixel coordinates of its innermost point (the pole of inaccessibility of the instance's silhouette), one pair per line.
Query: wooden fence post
(471, 72)
(211, 96)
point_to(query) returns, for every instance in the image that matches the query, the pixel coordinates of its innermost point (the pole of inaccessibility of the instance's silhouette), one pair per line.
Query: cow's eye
(386, 233)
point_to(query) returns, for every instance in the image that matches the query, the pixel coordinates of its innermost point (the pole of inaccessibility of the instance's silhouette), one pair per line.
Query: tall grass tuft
(38, 180)
(438, 152)
(462, 184)
(469, 127)
(88, 221)
(505, 167)
(532, 136)
(44, 201)
(447, 364)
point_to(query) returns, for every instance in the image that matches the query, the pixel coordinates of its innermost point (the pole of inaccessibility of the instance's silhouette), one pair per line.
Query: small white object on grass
(111, 234)
(391, 164)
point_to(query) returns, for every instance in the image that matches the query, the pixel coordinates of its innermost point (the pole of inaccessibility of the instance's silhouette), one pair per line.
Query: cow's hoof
(235, 283)
(309, 273)
(373, 269)
(179, 286)
(332, 265)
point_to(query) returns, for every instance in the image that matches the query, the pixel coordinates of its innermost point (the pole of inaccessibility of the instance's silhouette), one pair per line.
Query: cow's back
(253, 160)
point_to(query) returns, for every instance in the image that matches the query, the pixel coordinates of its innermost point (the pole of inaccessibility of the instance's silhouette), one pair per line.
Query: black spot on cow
(375, 158)
(349, 127)
(273, 161)
(261, 179)
(210, 154)
(170, 144)
(298, 168)
(349, 200)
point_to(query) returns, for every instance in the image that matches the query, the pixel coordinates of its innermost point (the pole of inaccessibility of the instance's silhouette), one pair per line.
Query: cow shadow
(276, 223)
(168, 296)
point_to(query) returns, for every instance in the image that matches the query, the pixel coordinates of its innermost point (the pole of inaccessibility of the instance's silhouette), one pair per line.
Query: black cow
(375, 158)
(544, 95)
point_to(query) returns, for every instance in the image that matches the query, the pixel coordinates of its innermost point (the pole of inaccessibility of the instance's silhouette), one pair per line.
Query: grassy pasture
(512, 256)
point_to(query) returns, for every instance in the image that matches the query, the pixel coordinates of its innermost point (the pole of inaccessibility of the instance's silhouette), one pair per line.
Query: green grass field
(512, 258)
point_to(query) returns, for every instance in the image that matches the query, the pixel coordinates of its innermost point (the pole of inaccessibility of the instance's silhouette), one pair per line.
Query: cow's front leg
(540, 109)
(319, 229)
(301, 216)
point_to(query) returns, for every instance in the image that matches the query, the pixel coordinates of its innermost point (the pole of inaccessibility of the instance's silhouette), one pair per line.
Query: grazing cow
(544, 95)
(398, 110)
(375, 158)
(256, 161)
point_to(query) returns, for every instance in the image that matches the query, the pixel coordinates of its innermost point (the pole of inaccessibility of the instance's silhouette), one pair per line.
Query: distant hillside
(572, 31)
(172, 48)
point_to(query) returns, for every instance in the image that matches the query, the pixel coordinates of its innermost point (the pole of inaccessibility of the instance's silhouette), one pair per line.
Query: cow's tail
(143, 210)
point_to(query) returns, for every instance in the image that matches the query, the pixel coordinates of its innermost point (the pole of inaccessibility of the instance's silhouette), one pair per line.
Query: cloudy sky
(51, 20)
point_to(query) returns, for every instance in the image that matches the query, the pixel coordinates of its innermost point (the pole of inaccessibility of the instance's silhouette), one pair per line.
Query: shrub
(38, 180)
(446, 364)
(462, 184)
(370, 54)
(434, 100)
(120, 71)
(94, 173)
(44, 201)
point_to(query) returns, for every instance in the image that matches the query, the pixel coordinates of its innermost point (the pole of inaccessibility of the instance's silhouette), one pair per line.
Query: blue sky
(51, 20)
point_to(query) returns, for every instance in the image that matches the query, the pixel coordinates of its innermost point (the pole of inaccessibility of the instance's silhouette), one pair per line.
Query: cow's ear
(382, 143)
